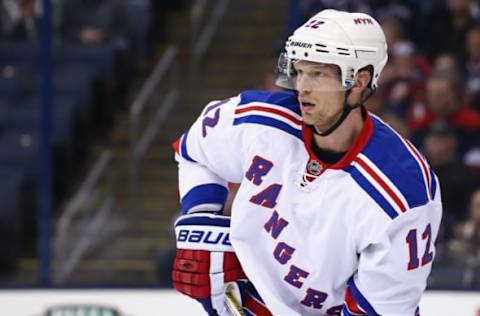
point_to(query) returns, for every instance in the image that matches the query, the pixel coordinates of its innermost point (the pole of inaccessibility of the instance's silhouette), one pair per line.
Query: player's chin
(309, 119)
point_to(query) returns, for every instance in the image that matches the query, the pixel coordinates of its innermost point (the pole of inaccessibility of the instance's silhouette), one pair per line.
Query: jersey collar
(357, 146)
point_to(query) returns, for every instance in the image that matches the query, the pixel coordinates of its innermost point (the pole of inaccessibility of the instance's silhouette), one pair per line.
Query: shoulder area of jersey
(287, 99)
(393, 172)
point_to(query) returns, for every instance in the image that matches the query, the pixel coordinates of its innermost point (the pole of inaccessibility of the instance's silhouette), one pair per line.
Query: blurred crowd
(98, 48)
(125, 24)
(430, 93)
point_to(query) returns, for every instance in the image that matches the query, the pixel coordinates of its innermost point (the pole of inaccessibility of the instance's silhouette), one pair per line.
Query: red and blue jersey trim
(255, 307)
(264, 120)
(180, 147)
(434, 183)
(368, 187)
(350, 307)
(393, 172)
(275, 109)
(423, 170)
(356, 302)
(253, 304)
(285, 99)
(357, 305)
(210, 193)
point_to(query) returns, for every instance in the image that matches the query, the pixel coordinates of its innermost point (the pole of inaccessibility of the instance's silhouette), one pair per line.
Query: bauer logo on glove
(197, 231)
(205, 265)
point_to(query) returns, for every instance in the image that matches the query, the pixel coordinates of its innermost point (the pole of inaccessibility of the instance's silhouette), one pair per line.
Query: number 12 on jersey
(411, 240)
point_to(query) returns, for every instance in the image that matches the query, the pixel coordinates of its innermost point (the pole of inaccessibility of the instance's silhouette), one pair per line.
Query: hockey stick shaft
(232, 303)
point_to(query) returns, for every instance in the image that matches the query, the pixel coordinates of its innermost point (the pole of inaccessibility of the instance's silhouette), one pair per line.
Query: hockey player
(336, 214)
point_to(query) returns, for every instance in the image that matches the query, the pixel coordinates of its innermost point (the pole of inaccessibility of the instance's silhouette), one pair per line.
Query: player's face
(320, 93)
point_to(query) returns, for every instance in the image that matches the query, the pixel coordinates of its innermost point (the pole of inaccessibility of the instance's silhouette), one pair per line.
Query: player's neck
(343, 137)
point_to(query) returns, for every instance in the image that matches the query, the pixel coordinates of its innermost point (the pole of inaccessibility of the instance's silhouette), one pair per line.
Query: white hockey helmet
(351, 41)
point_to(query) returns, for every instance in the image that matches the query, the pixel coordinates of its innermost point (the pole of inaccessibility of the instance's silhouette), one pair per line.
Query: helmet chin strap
(345, 111)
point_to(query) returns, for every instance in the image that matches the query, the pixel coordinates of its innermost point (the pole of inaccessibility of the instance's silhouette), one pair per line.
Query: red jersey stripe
(255, 307)
(382, 183)
(423, 165)
(269, 110)
(351, 303)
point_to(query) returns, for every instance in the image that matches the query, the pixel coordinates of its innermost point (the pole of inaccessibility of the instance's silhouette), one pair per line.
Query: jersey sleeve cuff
(204, 194)
(360, 298)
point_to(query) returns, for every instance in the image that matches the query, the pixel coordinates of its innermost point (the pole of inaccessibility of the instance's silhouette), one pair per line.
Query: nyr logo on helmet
(204, 237)
(363, 21)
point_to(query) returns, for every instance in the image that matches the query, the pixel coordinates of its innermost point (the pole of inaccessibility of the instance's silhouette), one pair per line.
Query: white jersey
(357, 236)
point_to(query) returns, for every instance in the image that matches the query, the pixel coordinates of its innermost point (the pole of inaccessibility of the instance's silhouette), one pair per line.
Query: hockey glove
(205, 263)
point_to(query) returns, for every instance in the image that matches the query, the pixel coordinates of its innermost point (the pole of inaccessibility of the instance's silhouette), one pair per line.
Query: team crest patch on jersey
(314, 167)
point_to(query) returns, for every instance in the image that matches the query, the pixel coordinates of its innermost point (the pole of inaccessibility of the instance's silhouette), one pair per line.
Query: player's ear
(363, 80)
